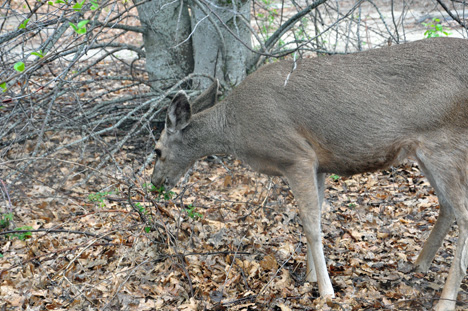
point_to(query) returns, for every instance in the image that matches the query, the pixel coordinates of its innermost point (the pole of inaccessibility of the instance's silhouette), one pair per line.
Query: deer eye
(158, 152)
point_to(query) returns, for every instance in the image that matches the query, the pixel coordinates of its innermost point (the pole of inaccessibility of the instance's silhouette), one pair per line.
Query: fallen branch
(56, 231)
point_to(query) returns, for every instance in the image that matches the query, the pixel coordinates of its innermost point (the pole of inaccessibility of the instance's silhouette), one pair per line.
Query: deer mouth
(162, 182)
(158, 181)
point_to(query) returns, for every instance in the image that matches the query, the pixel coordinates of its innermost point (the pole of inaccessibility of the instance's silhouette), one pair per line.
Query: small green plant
(21, 235)
(435, 29)
(150, 187)
(3, 86)
(352, 205)
(334, 177)
(99, 197)
(79, 28)
(5, 220)
(267, 19)
(192, 213)
(162, 193)
(141, 208)
(144, 211)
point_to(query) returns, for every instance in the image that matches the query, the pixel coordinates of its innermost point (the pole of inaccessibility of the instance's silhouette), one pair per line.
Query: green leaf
(24, 235)
(334, 177)
(82, 23)
(23, 24)
(59, 1)
(3, 87)
(73, 26)
(50, 3)
(19, 66)
(147, 229)
(94, 5)
(38, 54)
(81, 27)
(78, 6)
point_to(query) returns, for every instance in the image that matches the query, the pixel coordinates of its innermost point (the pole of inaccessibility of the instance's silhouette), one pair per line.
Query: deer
(340, 114)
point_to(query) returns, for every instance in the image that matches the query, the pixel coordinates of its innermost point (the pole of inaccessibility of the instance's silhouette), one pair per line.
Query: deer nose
(156, 181)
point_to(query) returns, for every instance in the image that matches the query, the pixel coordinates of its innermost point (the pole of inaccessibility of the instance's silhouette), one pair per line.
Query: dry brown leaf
(269, 263)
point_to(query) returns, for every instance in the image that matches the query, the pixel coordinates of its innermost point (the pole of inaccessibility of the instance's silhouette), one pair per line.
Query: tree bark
(216, 51)
(183, 37)
(169, 53)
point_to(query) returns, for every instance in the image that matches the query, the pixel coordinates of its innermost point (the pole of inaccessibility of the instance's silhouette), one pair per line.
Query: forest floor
(227, 239)
(232, 241)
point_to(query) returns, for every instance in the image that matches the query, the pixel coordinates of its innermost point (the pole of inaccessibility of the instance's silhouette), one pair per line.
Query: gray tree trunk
(169, 54)
(184, 37)
(216, 51)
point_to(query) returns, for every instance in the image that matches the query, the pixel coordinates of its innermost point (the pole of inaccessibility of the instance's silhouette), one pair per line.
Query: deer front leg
(311, 274)
(457, 270)
(305, 186)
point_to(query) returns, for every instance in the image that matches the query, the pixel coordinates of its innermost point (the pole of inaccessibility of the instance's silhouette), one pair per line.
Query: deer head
(179, 145)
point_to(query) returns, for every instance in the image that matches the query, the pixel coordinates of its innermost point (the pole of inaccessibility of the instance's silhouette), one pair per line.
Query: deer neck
(209, 132)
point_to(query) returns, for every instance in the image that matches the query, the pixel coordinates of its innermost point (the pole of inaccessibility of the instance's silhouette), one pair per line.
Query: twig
(56, 231)
(183, 255)
(455, 18)
(61, 251)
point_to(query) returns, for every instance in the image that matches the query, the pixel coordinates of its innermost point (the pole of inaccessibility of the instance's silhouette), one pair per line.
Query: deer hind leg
(448, 168)
(311, 275)
(305, 184)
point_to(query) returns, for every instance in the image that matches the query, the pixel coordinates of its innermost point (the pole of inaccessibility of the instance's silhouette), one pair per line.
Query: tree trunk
(169, 54)
(182, 38)
(216, 51)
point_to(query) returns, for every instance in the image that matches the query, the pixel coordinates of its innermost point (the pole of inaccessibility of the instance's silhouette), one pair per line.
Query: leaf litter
(245, 252)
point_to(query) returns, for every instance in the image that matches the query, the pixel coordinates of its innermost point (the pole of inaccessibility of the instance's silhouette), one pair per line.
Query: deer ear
(206, 99)
(178, 113)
